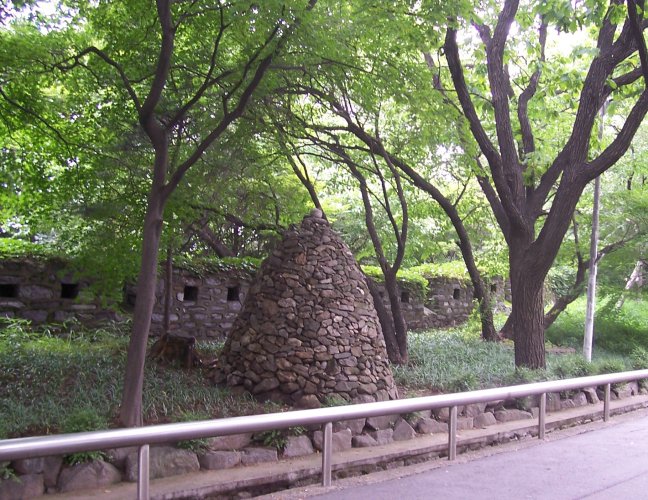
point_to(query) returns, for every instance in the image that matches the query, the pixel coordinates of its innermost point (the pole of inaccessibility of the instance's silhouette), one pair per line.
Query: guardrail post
(327, 450)
(542, 411)
(452, 434)
(606, 403)
(143, 473)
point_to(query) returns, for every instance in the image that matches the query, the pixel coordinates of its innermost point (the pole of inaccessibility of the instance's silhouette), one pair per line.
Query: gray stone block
(431, 426)
(355, 425)
(484, 420)
(383, 436)
(29, 465)
(51, 470)
(554, 403)
(165, 461)
(117, 456)
(217, 460)
(403, 431)
(363, 441)
(443, 414)
(464, 423)
(580, 399)
(380, 423)
(475, 409)
(625, 390)
(590, 394)
(233, 442)
(297, 446)
(89, 475)
(340, 440)
(253, 456)
(23, 486)
(512, 414)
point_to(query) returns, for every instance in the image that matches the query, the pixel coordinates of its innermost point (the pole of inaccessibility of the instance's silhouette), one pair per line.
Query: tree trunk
(400, 326)
(130, 414)
(168, 290)
(386, 323)
(486, 316)
(527, 315)
(635, 280)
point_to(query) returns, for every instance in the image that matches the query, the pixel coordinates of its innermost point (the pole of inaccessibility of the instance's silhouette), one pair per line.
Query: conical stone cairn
(308, 333)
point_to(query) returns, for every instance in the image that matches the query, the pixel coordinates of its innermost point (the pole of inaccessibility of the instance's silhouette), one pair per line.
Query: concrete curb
(298, 472)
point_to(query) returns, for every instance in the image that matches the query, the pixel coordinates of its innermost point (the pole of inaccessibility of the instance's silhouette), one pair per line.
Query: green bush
(82, 420)
(639, 358)
(615, 330)
(199, 445)
(523, 375)
(610, 365)
(570, 366)
(45, 373)
(6, 472)
(275, 438)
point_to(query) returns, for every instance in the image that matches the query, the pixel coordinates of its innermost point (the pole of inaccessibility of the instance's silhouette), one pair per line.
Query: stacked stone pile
(308, 328)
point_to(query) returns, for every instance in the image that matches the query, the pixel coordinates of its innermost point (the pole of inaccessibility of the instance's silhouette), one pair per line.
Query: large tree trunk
(527, 314)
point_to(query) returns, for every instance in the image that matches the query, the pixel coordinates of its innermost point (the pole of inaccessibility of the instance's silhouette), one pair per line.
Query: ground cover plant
(620, 330)
(67, 378)
(54, 379)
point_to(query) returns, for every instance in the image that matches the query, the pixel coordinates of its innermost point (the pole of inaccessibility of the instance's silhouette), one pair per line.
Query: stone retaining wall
(447, 302)
(34, 477)
(47, 291)
(203, 305)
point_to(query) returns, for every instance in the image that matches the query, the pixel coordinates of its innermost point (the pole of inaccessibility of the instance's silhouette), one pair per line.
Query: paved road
(606, 464)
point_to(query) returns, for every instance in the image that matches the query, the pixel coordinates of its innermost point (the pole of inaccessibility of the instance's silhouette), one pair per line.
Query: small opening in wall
(232, 293)
(493, 287)
(456, 294)
(69, 290)
(405, 296)
(190, 293)
(8, 290)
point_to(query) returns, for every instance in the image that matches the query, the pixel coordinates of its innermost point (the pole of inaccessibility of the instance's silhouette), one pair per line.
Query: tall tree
(210, 61)
(520, 196)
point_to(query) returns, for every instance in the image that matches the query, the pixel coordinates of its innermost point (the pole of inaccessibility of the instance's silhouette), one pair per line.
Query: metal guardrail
(12, 449)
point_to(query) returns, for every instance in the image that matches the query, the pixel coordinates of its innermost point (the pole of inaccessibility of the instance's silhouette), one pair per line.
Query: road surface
(609, 463)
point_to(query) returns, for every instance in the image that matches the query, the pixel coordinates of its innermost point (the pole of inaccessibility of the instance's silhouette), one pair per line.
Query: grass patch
(62, 378)
(458, 360)
(454, 361)
(46, 375)
(615, 330)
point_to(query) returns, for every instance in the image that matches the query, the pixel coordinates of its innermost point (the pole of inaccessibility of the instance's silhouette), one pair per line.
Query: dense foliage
(429, 132)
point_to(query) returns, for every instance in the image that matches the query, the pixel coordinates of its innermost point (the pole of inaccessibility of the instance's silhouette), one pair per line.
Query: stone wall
(47, 291)
(202, 305)
(447, 302)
